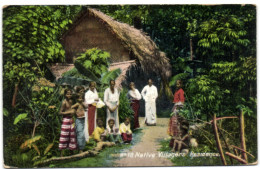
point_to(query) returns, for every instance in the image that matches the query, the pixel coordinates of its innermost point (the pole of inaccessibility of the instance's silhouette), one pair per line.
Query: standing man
(111, 99)
(150, 94)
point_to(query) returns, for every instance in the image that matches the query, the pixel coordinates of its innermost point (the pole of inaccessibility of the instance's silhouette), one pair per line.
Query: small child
(80, 108)
(99, 132)
(113, 134)
(181, 141)
(67, 136)
(80, 90)
(125, 131)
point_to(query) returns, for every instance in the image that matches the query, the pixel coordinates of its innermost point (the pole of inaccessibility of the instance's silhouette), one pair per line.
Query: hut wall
(92, 33)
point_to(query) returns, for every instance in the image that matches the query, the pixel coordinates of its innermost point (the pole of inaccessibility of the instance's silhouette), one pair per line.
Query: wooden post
(215, 128)
(237, 158)
(221, 134)
(242, 136)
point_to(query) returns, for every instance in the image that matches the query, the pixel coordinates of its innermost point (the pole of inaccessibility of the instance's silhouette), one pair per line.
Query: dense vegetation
(211, 48)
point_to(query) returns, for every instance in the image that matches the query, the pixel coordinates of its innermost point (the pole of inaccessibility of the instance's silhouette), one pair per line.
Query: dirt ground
(146, 152)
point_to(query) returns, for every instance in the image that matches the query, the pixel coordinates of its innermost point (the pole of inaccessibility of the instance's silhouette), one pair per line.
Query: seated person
(112, 133)
(125, 131)
(182, 141)
(99, 132)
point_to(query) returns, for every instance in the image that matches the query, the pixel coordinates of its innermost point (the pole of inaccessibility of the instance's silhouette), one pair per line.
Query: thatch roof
(57, 69)
(123, 66)
(148, 54)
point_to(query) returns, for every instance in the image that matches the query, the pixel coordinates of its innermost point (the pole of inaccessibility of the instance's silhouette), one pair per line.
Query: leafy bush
(125, 109)
(92, 63)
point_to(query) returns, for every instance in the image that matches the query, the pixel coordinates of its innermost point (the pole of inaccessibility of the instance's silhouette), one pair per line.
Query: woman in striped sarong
(174, 126)
(67, 136)
(135, 97)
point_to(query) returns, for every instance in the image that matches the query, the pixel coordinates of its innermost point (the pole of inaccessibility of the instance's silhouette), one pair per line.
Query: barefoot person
(134, 96)
(80, 108)
(67, 135)
(125, 130)
(150, 94)
(91, 97)
(173, 128)
(111, 99)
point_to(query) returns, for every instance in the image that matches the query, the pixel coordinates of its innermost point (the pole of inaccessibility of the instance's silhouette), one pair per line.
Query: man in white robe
(150, 94)
(111, 99)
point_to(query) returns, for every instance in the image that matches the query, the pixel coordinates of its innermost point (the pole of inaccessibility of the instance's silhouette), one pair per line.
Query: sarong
(91, 118)
(174, 126)
(80, 123)
(126, 137)
(67, 135)
(135, 106)
(150, 112)
(113, 115)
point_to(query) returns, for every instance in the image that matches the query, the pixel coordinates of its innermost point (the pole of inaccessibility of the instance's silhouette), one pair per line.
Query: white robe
(112, 100)
(90, 99)
(134, 95)
(149, 95)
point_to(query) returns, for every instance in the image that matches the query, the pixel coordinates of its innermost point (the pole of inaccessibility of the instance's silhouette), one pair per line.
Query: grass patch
(164, 114)
(189, 159)
(105, 158)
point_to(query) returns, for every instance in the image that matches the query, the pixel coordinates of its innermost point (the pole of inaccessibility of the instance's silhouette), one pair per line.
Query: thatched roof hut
(131, 50)
(95, 29)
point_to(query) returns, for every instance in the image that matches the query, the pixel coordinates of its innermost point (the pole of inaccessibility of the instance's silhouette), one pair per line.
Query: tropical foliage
(211, 48)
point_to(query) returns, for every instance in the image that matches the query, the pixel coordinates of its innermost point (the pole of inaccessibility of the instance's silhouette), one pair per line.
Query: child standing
(125, 131)
(67, 136)
(173, 127)
(113, 134)
(80, 108)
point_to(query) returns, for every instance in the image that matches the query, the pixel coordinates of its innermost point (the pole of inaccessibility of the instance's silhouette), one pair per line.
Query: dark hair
(127, 118)
(111, 120)
(131, 83)
(80, 95)
(112, 81)
(79, 88)
(66, 91)
(92, 82)
(179, 81)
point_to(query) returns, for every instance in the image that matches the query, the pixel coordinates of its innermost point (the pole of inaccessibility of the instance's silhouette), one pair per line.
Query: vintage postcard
(129, 85)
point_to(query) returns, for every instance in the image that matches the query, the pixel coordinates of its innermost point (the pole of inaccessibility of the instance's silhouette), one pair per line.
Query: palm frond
(179, 76)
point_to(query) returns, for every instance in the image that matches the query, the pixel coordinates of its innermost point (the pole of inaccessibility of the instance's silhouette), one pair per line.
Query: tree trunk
(94, 152)
(34, 128)
(15, 94)
(191, 50)
(242, 135)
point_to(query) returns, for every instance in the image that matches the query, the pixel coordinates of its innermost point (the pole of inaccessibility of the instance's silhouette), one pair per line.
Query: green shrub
(125, 109)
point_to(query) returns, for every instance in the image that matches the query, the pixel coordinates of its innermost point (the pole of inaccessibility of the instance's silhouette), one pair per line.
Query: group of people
(74, 136)
(87, 125)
